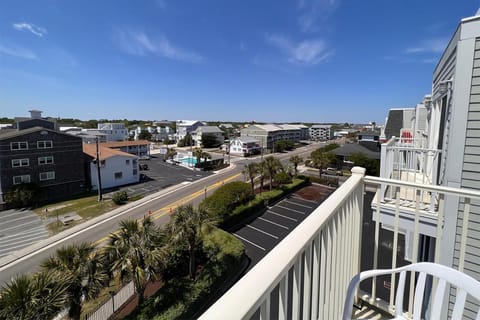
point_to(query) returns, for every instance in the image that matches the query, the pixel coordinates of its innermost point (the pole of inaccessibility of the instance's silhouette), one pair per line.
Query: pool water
(189, 161)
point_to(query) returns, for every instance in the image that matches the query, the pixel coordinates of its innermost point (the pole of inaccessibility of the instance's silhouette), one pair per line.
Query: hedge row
(260, 202)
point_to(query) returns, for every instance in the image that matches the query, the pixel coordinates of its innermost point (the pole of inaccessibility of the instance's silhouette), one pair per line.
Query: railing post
(358, 223)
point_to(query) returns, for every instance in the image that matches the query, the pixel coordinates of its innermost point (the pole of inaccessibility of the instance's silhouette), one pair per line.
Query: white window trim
(18, 144)
(45, 160)
(50, 175)
(23, 179)
(20, 163)
(44, 143)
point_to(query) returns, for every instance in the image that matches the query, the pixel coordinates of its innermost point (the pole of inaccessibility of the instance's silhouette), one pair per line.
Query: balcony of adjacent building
(307, 274)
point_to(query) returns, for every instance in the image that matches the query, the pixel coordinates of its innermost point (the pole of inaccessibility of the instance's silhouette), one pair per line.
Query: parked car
(144, 157)
(143, 166)
(332, 172)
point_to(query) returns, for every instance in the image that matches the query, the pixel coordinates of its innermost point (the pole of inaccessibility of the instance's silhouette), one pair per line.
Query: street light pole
(99, 178)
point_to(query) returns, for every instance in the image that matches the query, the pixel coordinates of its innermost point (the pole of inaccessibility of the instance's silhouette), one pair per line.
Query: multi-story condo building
(427, 202)
(321, 132)
(140, 148)
(186, 126)
(269, 134)
(47, 158)
(112, 131)
(200, 132)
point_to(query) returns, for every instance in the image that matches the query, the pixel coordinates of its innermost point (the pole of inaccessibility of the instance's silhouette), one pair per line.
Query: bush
(283, 178)
(120, 197)
(226, 198)
(22, 195)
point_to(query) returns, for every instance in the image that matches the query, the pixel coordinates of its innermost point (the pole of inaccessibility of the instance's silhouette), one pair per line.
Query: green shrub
(22, 195)
(120, 197)
(226, 198)
(283, 178)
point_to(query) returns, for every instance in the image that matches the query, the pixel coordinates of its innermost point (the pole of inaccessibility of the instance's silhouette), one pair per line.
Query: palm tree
(272, 165)
(251, 171)
(321, 160)
(171, 153)
(135, 253)
(83, 270)
(200, 154)
(295, 161)
(185, 228)
(41, 296)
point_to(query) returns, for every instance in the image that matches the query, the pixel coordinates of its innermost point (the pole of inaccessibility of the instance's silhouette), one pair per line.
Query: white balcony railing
(306, 275)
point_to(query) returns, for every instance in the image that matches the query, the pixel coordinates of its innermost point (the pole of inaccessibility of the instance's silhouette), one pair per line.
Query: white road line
(33, 230)
(19, 245)
(253, 244)
(281, 215)
(277, 224)
(290, 209)
(298, 204)
(15, 214)
(264, 232)
(21, 225)
(300, 198)
(32, 236)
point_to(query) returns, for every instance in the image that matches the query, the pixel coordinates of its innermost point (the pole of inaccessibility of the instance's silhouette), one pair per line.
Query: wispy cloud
(307, 52)
(38, 31)
(18, 52)
(435, 45)
(140, 44)
(314, 11)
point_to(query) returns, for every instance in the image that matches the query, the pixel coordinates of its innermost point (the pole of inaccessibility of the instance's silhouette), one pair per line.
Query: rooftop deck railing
(306, 275)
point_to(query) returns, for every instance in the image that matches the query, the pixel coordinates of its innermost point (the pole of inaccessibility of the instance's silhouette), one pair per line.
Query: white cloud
(17, 52)
(314, 11)
(140, 44)
(307, 52)
(38, 31)
(436, 45)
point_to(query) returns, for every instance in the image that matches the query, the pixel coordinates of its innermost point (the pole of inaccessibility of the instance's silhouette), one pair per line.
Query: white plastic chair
(464, 283)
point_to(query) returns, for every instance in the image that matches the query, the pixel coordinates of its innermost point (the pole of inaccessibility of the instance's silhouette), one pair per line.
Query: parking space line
(298, 204)
(253, 244)
(281, 215)
(264, 232)
(300, 198)
(301, 212)
(274, 223)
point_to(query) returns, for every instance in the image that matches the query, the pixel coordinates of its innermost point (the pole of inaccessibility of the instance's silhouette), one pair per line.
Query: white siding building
(117, 168)
(319, 132)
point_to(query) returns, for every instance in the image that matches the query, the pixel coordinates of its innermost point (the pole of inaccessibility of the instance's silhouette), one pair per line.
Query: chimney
(35, 114)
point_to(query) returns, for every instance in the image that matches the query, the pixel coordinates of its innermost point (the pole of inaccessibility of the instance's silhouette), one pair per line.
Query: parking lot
(266, 231)
(162, 175)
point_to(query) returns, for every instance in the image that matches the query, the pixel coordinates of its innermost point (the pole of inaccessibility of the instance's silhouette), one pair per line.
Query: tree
(22, 195)
(251, 171)
(136, 253)
(185, 228)
(372, 166)
(295, 161)
(144, 135)
(272, 165)
(283, 178)
(209, 140)
(321, 160)
(83, 270)
(186, 141)
(39, 296)
(171, 153)
(226, 198)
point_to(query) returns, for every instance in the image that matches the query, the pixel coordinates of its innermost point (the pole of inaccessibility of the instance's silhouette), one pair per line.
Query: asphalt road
(192, 192)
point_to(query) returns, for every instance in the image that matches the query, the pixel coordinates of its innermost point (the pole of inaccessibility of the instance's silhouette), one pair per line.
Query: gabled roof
(208, 129)
(18, 133)
(119, 144)
(350, 148)
(104, 152)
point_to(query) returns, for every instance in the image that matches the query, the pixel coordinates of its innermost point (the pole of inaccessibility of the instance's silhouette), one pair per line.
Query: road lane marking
(248, 241)
(159, 213)
(264, 232)
(281, 215)
(277, 224)
(298, 204)
(290, 209)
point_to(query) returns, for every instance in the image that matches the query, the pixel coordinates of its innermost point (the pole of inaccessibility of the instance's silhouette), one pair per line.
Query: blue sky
(269, 61)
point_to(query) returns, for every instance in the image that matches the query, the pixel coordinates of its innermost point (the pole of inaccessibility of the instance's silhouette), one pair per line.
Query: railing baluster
(265, 309)
(328, 273)
(296, 287)
(375, 250)
(463, 241)
(323, 272)
(307, 279)
(283, 298)
(416, 234)
(394, 248)
(315, 277)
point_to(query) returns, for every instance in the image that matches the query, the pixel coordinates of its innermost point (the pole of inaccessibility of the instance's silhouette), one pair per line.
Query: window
(45, 160)
(118, 175)
(19, 145)
(44, 144)
(134, 162)
(49, 175)
(135, 172)
(20, 163)
(21, 179)
(127, 162)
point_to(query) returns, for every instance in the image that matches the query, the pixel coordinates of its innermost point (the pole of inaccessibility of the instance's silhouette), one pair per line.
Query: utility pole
(99, 179)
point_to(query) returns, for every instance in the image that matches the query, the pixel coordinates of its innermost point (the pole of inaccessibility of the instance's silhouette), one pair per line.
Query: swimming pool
(188, 160)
